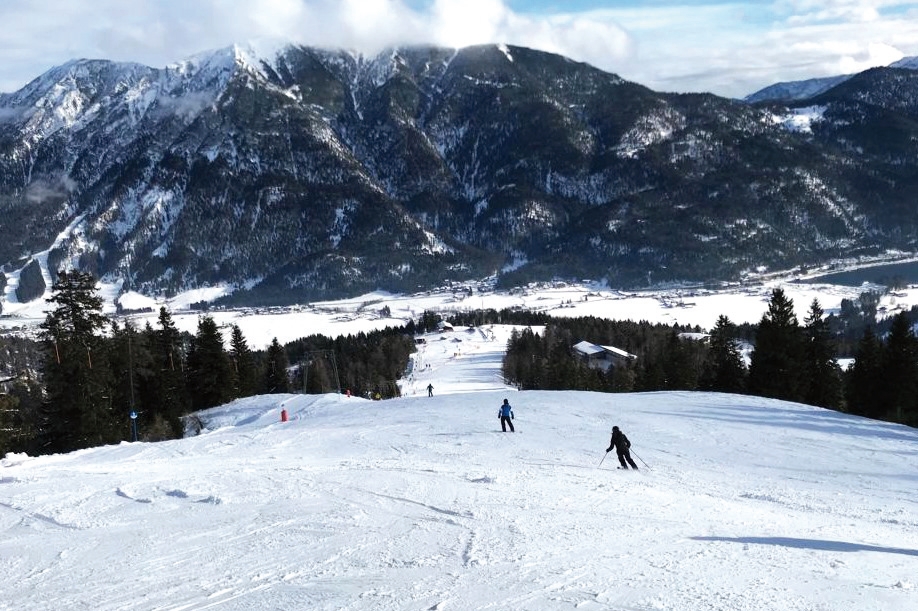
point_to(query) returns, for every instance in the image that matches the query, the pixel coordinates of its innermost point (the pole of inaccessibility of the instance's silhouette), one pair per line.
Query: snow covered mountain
(294, 173)
(795, 91)
(421, 503)
(910, 63)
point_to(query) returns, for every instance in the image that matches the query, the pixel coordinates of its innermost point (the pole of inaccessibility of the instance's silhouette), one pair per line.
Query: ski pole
(641, 459)
(603, 458)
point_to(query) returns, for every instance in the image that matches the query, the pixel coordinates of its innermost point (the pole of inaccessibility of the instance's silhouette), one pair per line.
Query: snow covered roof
(619, 352)
(589, 349)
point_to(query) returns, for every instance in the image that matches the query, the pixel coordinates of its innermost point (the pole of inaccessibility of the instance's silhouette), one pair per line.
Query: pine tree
(78, 410)
(864, 379)
(245, 374)
(20, 410)
(724, 370)
(899, 369)
(821, 373)
(678, 364)
(10, 426)
(209, 374)
(775, 370)
(651, 374)
(170, 399)
(275, 378)
(621, 378)
(131, 365)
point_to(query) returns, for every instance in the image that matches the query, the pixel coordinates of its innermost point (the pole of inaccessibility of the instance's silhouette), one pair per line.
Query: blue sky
(727, 47)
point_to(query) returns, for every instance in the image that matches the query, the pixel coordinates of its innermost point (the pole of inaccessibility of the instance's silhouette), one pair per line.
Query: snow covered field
(421, 503)
(366, 312)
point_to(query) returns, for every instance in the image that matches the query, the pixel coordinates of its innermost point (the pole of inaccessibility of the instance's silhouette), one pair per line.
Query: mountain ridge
(312, 173)
(795, 91)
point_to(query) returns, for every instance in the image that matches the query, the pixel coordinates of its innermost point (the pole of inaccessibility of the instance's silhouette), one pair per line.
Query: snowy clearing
(368, 312)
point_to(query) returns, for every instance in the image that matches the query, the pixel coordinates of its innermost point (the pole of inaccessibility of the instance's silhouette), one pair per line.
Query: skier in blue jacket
(506, 416)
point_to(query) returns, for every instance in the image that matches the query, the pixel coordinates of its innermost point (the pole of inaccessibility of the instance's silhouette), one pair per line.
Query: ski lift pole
(335, 368)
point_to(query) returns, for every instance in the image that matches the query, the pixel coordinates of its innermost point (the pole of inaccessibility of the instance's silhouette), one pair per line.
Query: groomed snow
(421, 503)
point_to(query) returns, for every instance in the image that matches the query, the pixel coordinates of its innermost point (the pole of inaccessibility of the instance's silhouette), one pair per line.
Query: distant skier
(430, 390)
(506, 416)
(622, 447)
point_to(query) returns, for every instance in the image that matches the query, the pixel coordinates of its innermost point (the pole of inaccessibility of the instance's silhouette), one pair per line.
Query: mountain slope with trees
(309, 173)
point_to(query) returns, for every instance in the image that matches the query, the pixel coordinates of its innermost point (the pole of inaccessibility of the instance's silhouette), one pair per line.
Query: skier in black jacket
(621, 445)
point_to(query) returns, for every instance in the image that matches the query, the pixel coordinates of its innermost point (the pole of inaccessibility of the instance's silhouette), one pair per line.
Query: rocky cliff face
(303, 173)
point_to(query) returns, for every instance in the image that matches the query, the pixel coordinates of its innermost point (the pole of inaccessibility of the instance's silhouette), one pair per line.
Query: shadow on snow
(831, 546)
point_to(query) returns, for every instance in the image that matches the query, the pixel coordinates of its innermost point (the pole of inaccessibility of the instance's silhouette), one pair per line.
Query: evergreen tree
(131, 365)
(621, 378)
(821, 373)
(78, 410)
(245, 374)
(651, 373)
(169, 399)
(20, 411)
(864, 379)
(514, 361)
(10, 425)
(209, 374)
(561, 372)
(31, 283)
(724, 370)
(429, 321)
(899, 369)
(275, 378)
(869, 301)
(680, 371)
(775, 370)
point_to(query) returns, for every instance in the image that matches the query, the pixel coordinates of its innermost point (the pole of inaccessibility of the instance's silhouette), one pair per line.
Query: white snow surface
(802, 119)
(743, 504)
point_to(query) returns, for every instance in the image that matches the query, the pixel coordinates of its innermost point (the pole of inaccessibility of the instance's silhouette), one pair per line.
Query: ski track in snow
(421, 503)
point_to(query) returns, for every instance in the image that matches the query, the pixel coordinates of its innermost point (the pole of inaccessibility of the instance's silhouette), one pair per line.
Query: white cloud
(730, 49)
(160, 32)
(469, 22)
(737, 49)
(876, 54)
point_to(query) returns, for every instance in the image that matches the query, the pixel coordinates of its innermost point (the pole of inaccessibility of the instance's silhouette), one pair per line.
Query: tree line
(788, 360)
(91, 380)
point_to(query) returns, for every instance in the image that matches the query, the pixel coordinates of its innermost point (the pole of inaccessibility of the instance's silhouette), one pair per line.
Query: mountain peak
(251, 56)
